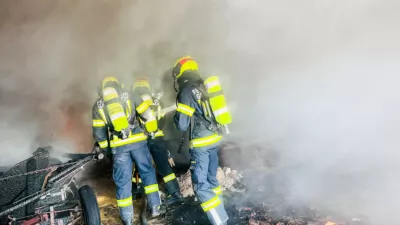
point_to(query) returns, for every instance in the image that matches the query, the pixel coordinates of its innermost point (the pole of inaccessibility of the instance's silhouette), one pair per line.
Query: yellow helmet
(141, 82)
(109, 79)
(186, 63)
(105, 81)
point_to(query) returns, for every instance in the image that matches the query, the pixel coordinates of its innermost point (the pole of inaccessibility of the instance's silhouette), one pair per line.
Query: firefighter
(158, 149)
(115, 128)
(204, 142)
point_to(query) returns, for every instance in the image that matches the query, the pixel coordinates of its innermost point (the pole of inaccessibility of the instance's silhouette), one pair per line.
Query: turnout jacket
(155, 105)
(134, 107)
(190, 115)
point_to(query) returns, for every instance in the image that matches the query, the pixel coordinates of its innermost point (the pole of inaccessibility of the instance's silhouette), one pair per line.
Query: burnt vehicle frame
(42, 190)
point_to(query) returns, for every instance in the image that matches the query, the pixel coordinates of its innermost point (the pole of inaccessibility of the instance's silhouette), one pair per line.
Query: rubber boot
(137, 191)
(129, 222)
(175, 195)
(175, 198)
(157, 210)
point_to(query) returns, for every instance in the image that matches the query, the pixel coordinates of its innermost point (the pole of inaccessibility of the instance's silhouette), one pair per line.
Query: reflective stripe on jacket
(101, 126)
(188, 107)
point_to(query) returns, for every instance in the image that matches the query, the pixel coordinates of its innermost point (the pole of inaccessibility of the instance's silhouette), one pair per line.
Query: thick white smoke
(316, 80)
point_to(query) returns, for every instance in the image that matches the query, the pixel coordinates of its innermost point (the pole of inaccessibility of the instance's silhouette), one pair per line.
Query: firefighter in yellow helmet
(157, 145)
(115, 128)
(191, 114)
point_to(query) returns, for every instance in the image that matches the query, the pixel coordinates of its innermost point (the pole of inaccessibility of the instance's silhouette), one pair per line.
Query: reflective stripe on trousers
(151, 189)
(123, 158)
(203, 167)
(124, 202)
(170, 177)
(217, 190)
(159, 152)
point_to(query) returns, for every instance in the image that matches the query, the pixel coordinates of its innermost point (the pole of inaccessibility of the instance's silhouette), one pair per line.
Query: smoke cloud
(316, 81)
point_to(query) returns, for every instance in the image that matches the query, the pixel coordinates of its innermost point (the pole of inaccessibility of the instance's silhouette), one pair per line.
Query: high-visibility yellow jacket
(189, 115)
(134, 107)
(155, 105)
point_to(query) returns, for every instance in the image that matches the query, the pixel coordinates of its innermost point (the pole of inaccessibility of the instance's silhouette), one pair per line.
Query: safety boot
(175, 198)
(127, 222)
(157, 210)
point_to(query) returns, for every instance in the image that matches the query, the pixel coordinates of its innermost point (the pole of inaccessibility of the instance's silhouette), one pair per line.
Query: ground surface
(247, 202)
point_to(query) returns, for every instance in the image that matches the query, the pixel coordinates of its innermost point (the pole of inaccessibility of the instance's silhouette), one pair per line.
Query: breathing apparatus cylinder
(217, 102)
(116, 112)
(151, 125)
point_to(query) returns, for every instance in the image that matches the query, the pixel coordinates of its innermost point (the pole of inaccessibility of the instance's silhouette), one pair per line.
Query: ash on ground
(251, 197)
(255, 200)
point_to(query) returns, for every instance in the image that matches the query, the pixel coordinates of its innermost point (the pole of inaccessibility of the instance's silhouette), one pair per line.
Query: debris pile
(259, 215)
(226, 177)
(242, 212)
(252, 205)
(185, 183)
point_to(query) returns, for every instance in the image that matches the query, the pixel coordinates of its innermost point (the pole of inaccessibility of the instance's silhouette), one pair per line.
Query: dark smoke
(314, 80)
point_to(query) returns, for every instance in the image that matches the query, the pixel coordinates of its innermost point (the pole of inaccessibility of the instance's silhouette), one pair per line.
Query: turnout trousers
(158, 151)
(160, 156)
(123, 159)
(203, 167)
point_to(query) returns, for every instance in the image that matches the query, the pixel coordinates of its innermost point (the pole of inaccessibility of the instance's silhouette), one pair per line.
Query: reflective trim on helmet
(108, 79)
(185, 109)
(182, 60)
(141, 82)
(184, 64)
(201, 142)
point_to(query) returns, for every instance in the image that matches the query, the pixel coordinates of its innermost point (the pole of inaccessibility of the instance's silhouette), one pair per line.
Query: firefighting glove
(170, 159)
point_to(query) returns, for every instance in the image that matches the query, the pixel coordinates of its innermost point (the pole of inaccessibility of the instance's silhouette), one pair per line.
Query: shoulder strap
(126, 104)
(204, 94)
(103, 111)
(204, 98)
(208, 120)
